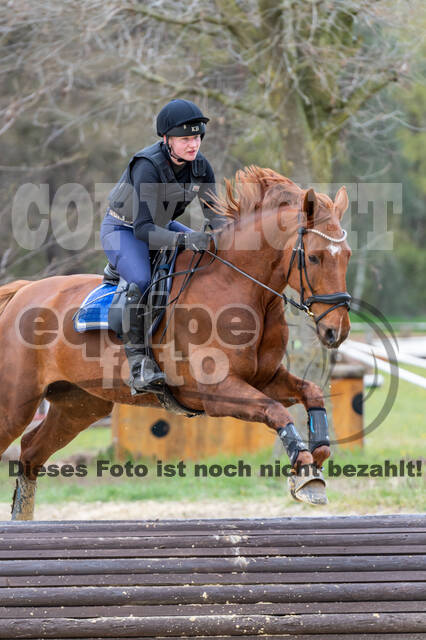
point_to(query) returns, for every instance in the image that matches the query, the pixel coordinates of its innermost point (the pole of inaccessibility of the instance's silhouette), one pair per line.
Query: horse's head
(318, 266)
(316, 254)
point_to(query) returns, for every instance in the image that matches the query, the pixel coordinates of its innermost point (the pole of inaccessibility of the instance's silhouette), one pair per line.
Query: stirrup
(148, 377)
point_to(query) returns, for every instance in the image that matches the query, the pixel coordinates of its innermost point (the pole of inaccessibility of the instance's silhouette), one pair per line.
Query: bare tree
(283, 80)
(303, 69)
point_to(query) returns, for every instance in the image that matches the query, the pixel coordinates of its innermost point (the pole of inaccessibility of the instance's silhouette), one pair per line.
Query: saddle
(155, 298)
(103, 309)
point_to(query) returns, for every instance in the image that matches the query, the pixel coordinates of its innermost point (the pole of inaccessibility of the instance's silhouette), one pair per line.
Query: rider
(157, 185)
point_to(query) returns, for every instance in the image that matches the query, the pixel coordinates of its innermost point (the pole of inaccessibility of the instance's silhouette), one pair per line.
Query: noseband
(340, 299)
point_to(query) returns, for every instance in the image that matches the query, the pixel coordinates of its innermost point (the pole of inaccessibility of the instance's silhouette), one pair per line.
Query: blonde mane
(254, 187)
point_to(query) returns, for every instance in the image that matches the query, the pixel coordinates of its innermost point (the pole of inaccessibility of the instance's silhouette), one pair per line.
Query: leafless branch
(47, 167)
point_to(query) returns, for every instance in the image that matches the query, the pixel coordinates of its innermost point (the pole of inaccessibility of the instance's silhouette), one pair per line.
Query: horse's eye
(314, 259)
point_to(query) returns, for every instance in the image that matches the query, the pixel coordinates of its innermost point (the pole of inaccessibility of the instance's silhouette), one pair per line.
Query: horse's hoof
(23, 498)
(308, 485)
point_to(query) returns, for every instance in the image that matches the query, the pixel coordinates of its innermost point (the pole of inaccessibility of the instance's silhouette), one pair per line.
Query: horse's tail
(7, 292)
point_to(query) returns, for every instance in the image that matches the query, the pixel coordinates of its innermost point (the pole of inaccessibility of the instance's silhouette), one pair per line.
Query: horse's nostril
(330, 336)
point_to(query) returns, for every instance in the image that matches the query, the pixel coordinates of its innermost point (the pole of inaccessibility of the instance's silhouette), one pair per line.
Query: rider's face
(185, 147)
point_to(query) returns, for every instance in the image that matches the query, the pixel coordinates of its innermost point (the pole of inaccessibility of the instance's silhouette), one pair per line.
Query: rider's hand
(196, 240)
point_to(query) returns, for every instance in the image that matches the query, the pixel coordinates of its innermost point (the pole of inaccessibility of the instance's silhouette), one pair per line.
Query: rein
(339, 299)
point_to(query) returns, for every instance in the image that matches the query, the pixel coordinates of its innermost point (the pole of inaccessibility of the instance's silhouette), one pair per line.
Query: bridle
(339, 299)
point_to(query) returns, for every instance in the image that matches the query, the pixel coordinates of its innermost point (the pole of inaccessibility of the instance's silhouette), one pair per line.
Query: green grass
(356, 317)
(399, 437)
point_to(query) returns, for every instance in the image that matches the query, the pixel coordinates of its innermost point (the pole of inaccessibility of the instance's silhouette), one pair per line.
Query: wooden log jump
(304, 578)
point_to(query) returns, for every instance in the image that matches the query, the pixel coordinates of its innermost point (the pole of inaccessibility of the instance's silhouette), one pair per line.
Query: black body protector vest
(172, 198)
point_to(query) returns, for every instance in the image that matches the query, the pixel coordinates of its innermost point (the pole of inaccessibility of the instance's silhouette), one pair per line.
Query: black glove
(197, 240)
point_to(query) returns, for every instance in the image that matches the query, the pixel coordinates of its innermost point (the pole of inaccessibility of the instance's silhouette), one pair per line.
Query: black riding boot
(144, 371)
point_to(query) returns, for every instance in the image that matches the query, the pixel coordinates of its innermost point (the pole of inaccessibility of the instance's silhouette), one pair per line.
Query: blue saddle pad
(93, 312)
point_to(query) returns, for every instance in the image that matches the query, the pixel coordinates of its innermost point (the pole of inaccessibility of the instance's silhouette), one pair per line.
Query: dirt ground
(153, 509)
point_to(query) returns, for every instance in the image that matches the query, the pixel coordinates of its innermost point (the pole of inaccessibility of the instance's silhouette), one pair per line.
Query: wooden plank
(324, 522)
(189, 552)
(212, 565)
(163, 536)
(281, 608)
(328, 636)
(111, 579)
(194, 626)
(211, 541)
(194, 594)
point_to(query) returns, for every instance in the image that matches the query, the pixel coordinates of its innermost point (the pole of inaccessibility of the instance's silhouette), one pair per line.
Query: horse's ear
(341, 202)
(310, 207)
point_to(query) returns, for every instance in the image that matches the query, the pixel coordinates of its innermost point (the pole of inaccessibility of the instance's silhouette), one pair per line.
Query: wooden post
(347, 389)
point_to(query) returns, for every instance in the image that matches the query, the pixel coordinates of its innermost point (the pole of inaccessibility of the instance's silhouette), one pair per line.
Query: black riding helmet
(181, 118)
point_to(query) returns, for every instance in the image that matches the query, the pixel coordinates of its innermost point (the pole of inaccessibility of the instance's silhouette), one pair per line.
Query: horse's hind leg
(18, 405)
(71, 410)
(17, 413)
(19, 399)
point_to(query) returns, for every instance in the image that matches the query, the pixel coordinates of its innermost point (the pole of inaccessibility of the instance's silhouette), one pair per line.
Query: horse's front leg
(289, 389)
(235, 397)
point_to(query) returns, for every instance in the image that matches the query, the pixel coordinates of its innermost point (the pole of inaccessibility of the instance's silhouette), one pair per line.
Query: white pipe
(381, 352)
(383, 365)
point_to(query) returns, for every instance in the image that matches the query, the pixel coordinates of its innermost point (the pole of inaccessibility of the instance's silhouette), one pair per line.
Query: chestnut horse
(221, 346)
